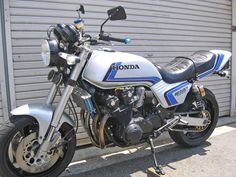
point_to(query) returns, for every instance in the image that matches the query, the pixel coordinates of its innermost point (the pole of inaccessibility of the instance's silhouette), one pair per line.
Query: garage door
(160, 30)
(1, 60)
(1, 111)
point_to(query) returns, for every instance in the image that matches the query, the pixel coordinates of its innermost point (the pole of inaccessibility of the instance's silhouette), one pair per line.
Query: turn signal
(202, 91)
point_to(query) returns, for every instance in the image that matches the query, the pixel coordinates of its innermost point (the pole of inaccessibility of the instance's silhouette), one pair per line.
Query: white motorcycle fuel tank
(112, 69)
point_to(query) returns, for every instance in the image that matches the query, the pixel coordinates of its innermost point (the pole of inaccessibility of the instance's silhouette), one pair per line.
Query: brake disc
(25, 155)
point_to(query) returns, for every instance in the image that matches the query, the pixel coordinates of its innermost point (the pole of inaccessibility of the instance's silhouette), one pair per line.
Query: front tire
(27, 126)
(197, 139)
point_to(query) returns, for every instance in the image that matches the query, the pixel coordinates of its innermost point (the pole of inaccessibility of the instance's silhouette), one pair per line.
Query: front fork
(52, 94)
(45, 146)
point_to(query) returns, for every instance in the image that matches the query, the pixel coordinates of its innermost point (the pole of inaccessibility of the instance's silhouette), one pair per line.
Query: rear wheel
(19, 144)
(196, 139)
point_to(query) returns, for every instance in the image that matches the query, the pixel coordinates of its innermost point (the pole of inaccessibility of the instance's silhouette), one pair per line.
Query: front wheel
(19, 144)
(196, 139)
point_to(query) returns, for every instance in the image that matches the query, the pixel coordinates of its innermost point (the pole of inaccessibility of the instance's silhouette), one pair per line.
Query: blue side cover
(170, 94)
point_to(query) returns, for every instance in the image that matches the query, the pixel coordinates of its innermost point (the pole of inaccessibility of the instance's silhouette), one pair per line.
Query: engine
(134, 113)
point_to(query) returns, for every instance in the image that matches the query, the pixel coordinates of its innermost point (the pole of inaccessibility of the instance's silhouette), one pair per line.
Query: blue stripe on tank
(112, 73)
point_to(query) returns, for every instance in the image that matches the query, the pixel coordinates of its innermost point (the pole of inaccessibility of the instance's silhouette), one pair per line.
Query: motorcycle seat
(187, 68)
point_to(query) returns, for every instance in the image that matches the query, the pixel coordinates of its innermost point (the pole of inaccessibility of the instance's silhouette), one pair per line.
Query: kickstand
(158, 168)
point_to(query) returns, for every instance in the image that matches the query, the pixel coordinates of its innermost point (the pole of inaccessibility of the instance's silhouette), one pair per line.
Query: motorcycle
(125, 100)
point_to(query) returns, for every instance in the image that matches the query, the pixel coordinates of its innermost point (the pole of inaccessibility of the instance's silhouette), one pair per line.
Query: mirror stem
(101, 29)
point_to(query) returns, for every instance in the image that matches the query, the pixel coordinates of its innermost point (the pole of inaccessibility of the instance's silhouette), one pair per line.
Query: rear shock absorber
(199, 92)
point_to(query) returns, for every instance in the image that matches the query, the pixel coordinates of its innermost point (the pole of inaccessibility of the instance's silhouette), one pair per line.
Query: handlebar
(108, 38)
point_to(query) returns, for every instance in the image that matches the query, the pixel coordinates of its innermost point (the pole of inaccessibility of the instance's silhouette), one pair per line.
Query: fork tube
(52, 94)
(61, 105)
(69, 89)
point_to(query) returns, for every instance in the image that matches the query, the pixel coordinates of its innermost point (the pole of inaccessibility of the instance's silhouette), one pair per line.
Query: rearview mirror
(117, 13)
(81, 9)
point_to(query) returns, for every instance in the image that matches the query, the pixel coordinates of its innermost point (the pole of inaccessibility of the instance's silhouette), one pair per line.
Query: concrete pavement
(216, 158)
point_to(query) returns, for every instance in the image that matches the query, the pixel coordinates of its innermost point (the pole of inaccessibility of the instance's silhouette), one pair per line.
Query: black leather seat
(187, 68)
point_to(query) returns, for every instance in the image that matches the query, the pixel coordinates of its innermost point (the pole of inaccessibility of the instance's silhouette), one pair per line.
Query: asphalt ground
(215, 158)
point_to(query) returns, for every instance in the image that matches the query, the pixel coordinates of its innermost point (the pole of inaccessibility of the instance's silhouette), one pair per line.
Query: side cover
(171, 94)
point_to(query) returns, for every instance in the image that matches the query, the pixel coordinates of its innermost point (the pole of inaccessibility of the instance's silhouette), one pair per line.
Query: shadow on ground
(128, 167)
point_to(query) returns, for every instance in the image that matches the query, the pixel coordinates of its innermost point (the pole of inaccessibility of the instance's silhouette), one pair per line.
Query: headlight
(45, 52)
(50, 52)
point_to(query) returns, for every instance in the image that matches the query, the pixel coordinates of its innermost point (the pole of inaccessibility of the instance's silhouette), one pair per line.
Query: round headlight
(50, 51)
(46, 54)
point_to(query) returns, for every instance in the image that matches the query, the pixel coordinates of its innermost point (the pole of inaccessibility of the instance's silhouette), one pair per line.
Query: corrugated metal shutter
(160, 30)
(2, 71)
(1, 111)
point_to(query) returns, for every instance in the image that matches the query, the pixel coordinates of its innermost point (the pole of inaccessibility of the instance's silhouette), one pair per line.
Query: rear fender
(43, 114)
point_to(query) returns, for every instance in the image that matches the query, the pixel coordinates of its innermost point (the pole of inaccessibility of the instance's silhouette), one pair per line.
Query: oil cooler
(83, 99)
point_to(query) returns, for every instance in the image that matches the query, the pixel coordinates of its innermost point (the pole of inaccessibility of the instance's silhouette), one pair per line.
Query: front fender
(43, 113)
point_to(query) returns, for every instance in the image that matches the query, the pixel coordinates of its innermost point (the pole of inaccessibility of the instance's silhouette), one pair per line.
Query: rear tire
(8, 132)
(184, 139)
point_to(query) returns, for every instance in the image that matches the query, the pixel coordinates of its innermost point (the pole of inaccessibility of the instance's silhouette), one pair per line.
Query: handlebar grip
(117, 39)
